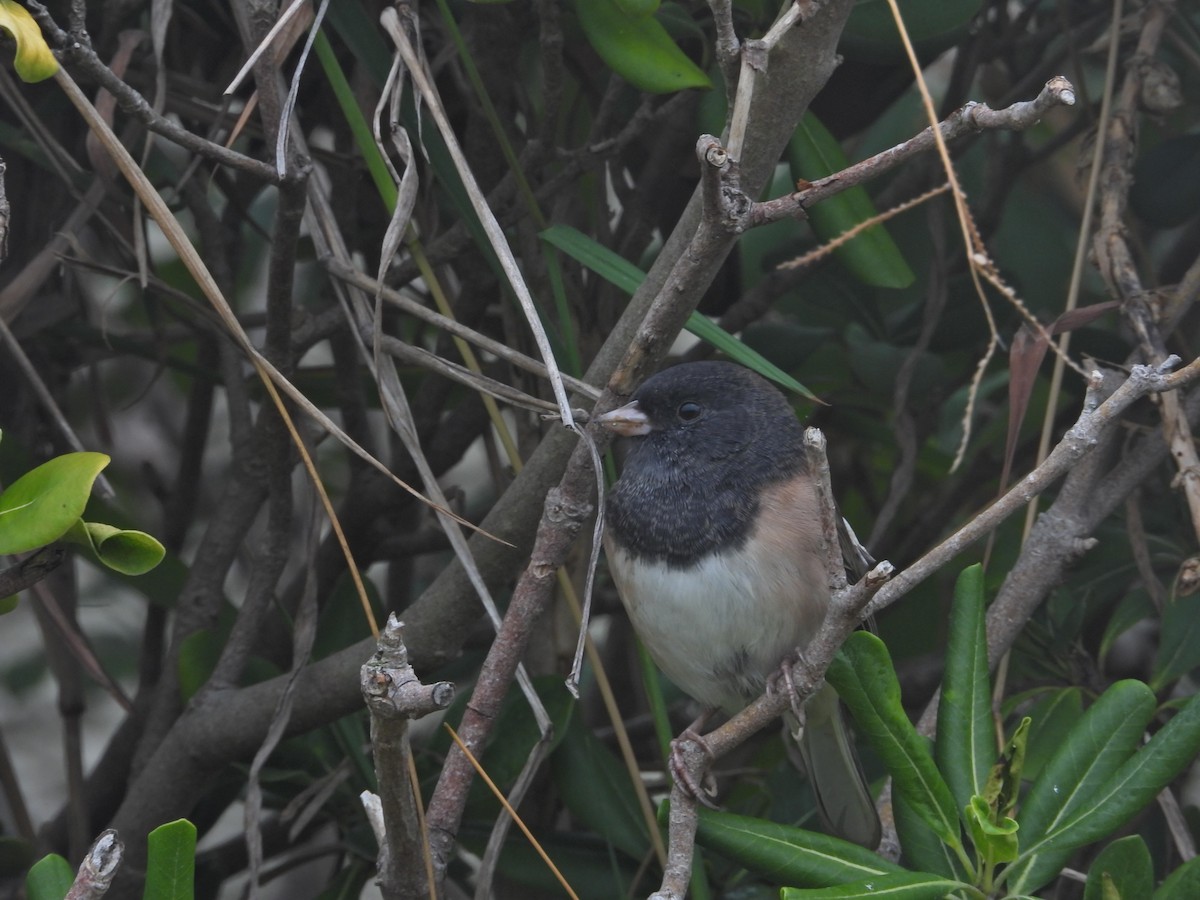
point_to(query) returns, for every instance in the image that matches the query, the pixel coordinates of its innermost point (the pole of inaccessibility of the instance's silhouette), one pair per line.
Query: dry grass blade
(391, 22)
(851, 233)
(364, 282)
(367, 318)
(289, 103)
(273, 381)
(979, 263)
(294, 32)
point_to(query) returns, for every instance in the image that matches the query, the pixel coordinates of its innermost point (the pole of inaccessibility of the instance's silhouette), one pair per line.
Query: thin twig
(79, 55)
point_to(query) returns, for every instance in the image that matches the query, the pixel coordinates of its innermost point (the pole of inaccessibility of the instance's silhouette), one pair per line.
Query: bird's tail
(831, 763)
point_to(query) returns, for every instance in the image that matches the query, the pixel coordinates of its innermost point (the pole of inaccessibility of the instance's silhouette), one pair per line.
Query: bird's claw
(782, 680)
(702, 789)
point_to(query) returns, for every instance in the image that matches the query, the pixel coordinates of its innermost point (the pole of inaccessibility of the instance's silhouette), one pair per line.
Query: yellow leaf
(34, 61)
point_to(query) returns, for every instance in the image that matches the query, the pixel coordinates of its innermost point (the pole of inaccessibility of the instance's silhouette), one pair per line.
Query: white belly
(721, 628)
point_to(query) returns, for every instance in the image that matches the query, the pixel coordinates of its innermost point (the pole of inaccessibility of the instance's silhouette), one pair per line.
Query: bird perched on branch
(714, 540)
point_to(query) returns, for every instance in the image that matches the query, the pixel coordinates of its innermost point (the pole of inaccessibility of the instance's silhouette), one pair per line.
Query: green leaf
(638, 48)
(517, 729)
(788, 855)
(872, 257)
(171, 862)
(40, 506)
(1094, 784)
(364, 137)
(34, 62)
(596, 789)
(995, 837)
(1182, 884)
(710, 331)
(1179, 649)
(49, 878)
(125, 551)
(638, 8)
(624, 275)
(900, 886)
(1133, 608)
(863, 676)
(1124, 867)
(198, 655)
(590, 253)
(922, 848)
(1004, 781)
(1095, 748)
(966, 734)
(1051, 720)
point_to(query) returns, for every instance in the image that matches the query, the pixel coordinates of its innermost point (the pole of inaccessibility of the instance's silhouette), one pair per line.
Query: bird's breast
(719, 625)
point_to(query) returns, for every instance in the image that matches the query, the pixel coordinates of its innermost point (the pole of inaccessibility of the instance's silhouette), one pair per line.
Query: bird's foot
(781, 680)
(701, 786)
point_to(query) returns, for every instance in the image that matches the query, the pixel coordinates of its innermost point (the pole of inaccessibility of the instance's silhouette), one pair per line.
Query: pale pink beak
(627, 420)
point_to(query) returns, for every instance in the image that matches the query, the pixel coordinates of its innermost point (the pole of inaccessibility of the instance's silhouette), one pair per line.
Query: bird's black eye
(689, 411)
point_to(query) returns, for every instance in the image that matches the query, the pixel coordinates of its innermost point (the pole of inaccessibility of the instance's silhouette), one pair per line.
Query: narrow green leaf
(198, 655)
(1179, 649)
(710, 331)
(171, 862)
(360, 31)
(1182, 884)
(625, 276)
(1095, 748)
(1138, 781)
(1133, 608)
(638, 8)
(33, 61)
(39, 507)
(923, 849)
(49, 878)
(966, 735)
(1123, 866)
(863, 676)
(364, 137)
(504, 758)
(900, 886)
(1051, 720)
(638, 48)
(788, 855)
(1101, 792)
(593, 255)
(595, 787)
(872, 257)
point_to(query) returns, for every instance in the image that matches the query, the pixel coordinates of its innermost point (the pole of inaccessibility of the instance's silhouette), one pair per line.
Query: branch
(98, 868)
(395, 696)
(77, 51)
(31, 570)
(970, 119)
(1115, 256)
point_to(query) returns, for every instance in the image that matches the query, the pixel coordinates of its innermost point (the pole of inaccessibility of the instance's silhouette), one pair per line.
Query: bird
(713, 540)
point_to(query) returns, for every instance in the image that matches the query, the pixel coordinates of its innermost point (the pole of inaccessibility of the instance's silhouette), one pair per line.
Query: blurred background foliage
(583, 129)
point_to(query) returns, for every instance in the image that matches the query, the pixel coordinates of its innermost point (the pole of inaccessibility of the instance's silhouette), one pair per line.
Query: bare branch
(972, 118)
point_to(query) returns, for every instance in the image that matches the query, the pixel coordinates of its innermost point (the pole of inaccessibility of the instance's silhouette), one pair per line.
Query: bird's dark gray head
(706, 437)
(715, 409)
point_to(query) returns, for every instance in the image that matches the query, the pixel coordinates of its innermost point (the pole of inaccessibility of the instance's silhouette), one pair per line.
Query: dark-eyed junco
(713, 539)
